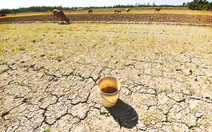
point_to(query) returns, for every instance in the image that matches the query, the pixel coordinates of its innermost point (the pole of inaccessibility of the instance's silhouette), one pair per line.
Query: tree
(209, 6)
(199, 5)
(153, 4)
(184, 3)
(139, 4)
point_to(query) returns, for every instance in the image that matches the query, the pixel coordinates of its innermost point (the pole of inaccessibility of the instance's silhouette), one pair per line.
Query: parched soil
(176, 18)
(49, 75)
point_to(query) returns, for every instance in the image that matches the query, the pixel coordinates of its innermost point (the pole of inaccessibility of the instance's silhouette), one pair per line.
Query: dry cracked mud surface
(49, 75)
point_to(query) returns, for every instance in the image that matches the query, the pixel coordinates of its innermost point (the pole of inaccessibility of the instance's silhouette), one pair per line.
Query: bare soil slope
(177, 18)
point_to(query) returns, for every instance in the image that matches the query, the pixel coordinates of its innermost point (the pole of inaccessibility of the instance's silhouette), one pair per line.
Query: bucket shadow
(124, 114)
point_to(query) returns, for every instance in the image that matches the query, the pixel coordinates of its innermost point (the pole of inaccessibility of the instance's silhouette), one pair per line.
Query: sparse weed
(47, 130)
(134, 118)
(78, 92)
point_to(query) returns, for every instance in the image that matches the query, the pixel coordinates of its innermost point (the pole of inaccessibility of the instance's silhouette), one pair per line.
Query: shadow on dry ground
(124, 114)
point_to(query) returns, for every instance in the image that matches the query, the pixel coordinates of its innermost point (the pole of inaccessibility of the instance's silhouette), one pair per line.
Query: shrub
(208, 6)
(199, 5)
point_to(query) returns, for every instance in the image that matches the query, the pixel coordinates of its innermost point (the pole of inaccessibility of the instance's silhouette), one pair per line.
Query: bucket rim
(109, 94)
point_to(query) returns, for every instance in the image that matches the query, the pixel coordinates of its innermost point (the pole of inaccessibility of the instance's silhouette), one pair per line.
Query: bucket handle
(106, 99)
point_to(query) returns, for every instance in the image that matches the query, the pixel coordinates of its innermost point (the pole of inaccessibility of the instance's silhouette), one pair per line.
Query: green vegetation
(47, 130)
(199, 5)
(134, 118)
(34, 9)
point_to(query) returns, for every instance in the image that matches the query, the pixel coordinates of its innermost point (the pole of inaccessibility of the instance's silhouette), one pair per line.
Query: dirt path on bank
(176, 18)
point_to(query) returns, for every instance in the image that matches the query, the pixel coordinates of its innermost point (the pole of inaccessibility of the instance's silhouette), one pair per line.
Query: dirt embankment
(177, 18)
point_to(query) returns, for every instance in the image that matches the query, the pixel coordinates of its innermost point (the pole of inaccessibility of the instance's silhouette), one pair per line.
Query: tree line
(195, 5)
(35, 9)
(199, 5)
(50, 8)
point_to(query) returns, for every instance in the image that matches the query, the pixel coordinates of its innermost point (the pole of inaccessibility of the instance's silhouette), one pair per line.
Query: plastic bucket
(109, 89)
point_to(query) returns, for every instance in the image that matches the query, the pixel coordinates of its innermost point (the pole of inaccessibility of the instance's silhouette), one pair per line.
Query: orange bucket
(109, 89)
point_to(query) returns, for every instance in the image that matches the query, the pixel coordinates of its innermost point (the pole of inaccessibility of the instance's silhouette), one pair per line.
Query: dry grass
(103, 44)
(94, 39)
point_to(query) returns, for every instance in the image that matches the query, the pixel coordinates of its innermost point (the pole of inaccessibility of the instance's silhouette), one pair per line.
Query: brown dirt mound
(177, 18)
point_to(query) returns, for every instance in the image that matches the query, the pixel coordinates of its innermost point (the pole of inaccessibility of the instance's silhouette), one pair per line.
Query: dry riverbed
(49, 75)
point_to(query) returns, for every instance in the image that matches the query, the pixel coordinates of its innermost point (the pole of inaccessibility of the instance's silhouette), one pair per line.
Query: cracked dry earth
(49, 75)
